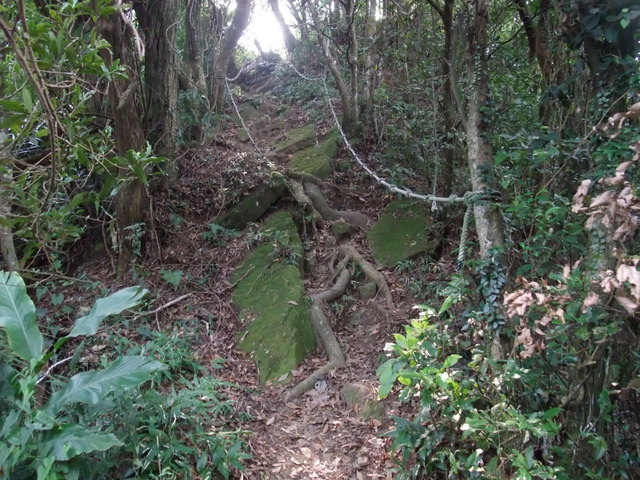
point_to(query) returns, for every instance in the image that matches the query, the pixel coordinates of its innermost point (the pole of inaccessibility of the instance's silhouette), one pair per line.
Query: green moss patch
(270, 291)
(297, 139)
(254, 205)
(316, 160)
(401, 233)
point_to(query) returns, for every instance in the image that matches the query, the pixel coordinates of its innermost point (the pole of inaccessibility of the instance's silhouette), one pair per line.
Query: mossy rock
(297, 139)
(270, 290)
(253, 206)
(316, 160)
(248, 112)
(362, 400)
(401, 233)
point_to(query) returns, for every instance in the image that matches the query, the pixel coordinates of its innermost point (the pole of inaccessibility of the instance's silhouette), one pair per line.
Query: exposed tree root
(321, 323)
(371, 272)
(301, 197)
(325, 333)
(320, 203)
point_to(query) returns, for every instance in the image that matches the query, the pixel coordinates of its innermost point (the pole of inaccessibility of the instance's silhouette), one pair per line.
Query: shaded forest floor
(314, 436)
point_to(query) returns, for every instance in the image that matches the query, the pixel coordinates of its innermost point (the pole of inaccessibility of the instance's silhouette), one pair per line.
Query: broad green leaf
(388, 372)
(91, 387)
(450, 361)
(44, 468)
(12, 106)
(18, 317)
(111, 305)
(74, 440)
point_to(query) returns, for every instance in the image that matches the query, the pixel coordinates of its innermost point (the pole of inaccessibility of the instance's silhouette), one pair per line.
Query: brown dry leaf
(566, 272)
(630, 274)
(603, 199)
(578, 198)
(634, 111)
(518, 302)
(525, 339)
(591, 300)
(609, 283)
(629, 305)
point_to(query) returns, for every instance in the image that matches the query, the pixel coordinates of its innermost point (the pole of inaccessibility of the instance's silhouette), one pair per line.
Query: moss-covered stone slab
(297, 139)
(270, 291)
(254, 205)
(401, 233)
(316, 160)
(362, 400)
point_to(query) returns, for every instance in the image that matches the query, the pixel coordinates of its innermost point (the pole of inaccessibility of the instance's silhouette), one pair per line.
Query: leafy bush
(564, 380)
(44, 430)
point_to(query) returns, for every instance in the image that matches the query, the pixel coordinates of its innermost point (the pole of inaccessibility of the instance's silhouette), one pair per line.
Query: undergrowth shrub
(98, 423)
(560, 400)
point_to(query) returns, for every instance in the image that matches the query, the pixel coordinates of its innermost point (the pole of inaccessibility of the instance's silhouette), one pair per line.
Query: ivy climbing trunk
(488, 217)
(132, 200)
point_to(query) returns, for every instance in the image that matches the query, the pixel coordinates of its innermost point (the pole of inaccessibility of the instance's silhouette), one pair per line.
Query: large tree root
(321, 322)
(320, 203)
(301, 197)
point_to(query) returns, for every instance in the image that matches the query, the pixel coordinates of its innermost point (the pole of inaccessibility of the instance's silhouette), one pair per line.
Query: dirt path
(316, 435)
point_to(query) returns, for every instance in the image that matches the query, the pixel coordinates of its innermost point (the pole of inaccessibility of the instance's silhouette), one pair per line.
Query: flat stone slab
(316, 160)
(297, 139)
(271, 297)
(401, 233)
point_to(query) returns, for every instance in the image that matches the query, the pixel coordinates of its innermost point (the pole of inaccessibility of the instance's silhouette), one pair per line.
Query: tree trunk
(158, 22)
(131, 201)
(348, 117)
(290, 41)
(488, 217)
(6, 234)
(193, 43)
(225, 53)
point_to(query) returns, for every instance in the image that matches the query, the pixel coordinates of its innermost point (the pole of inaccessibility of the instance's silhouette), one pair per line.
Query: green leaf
(450, 361)
(44, 467)
(18, 317)
(27, 100)
(91, 387)
(104, 307)
(624, 23)
(388, 372)
(73, 440)
(12, 106)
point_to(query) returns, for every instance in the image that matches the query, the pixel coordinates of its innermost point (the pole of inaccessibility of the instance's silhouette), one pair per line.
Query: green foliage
(219, 235)
(44, 431)
(173, 277)
(177, 434)
(466, 424)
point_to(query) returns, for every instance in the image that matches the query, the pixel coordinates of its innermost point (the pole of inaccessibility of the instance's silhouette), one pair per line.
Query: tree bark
(131, 201)
(158, 20)
(223, 58)
(290, 42)
(194, 43)
(488, 217)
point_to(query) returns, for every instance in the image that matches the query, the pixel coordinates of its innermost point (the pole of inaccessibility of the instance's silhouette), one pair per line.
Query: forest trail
(316, 435)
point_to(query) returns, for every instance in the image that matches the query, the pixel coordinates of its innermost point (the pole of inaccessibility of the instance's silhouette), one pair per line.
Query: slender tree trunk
(223, 58)
(488, 216)
(352, 59)
(348, 117)
(158, 19)
(6, 235)
(193, 43)
(131, 203)
(290, 42)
